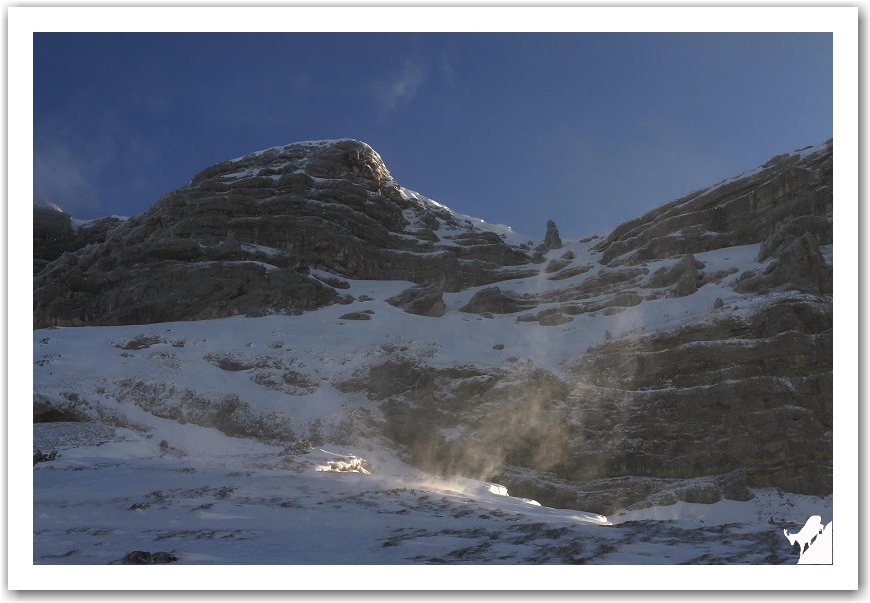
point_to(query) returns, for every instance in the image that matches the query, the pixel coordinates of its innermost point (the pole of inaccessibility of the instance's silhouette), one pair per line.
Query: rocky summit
(299, 295)
(243, 236)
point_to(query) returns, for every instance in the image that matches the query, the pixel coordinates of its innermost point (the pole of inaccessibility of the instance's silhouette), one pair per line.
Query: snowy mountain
(198, 366)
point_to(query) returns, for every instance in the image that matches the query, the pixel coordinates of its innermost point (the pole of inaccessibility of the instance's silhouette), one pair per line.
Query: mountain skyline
(589, 129)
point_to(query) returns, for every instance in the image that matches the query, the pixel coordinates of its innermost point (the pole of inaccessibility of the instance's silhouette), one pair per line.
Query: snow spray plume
(509, 418)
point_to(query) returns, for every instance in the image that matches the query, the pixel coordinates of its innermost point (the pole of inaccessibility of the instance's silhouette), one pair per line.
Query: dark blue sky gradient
(587, 129)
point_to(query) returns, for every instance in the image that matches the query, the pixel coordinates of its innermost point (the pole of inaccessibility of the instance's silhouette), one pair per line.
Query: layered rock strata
(242, 236)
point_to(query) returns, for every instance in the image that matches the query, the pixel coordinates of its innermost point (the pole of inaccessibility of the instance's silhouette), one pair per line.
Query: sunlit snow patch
(346, 463)
(500, 490)
(496, 489)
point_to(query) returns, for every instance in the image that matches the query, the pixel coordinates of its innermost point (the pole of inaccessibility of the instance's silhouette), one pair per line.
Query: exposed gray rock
(496, 301)
(704, 399)
(698, 413)
(555, 265)
(46, 410)
(569, 272)
(614, 494)
(739, 211)
(228, 413)
(422, 300)
(168, 290)
(554, 319)
(54, 235)
(357, 316)
(786, 233)
(797, 265)
(551, 238)
(241, 237)
(682, 278)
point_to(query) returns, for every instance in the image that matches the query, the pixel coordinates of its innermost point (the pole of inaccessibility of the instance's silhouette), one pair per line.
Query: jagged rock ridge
(791, 192)
(243, 235)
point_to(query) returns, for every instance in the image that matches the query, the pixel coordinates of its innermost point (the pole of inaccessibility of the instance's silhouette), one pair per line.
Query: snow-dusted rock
(422, 300)
(744, 209)
(243, 235)
(55, 233)
(683, 277)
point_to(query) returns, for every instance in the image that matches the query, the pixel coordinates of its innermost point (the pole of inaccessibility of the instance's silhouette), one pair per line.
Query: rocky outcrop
(698, 413)
(682, 278)
(614, 494)
(242, 236)
(748, 393)
(551, 238)
(54, 233)
(423, 300)
(364, 315)
(496, 301)
(165, 290)
(797, 264)
(743, 210)
(608, 292)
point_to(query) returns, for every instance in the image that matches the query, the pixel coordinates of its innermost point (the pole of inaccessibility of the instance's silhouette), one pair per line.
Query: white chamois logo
(813, 532)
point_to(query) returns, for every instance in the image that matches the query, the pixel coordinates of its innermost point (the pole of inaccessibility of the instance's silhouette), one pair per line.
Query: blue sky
(587, 129)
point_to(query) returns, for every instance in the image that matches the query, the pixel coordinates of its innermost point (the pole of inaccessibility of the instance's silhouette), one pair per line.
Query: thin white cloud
(401, 88)
(448, 73)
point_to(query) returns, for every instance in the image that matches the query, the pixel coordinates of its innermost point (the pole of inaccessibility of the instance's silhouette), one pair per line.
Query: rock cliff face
(54, 233)
(242, 236)
(741, 396)
(743, 210)
(686, 356)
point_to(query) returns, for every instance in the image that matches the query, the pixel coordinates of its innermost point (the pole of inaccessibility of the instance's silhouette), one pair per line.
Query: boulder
(365, 315)
(422, 300)
(682, 278)
(496, 301)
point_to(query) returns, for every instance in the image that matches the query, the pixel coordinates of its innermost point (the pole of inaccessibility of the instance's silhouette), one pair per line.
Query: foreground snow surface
(113, 491)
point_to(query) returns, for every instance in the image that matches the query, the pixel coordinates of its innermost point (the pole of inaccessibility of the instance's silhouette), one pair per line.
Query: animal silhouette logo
(815, 540)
